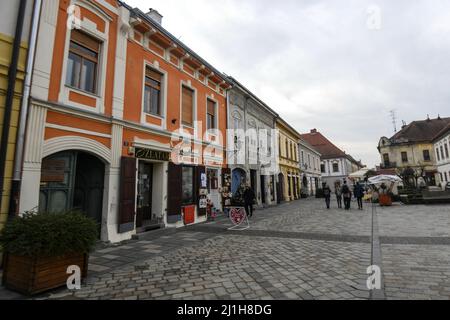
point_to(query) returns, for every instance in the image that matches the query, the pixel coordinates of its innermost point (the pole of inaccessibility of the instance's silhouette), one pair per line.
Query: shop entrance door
(263, 190)
(144, 197)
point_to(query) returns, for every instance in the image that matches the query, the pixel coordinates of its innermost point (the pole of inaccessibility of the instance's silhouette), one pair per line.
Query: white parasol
(384, 178)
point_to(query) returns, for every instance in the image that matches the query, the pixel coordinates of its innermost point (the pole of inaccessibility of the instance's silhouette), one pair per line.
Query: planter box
(32, 275)
(385, 200)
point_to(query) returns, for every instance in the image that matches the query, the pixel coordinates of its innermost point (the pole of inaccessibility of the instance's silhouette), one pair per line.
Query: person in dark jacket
(249, 197)
(327, 194)
(359, 194)
(347, 194)
(338, 192)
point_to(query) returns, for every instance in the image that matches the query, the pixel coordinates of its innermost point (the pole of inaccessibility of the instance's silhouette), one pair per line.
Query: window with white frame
(82, 68)
(152, 92)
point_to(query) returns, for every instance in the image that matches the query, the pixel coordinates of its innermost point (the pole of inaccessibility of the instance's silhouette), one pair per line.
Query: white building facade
(249, 114)
(310, 167)
(442, 156)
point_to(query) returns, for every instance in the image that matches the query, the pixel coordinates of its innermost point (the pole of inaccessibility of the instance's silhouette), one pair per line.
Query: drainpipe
(12, 75)
(20, 144)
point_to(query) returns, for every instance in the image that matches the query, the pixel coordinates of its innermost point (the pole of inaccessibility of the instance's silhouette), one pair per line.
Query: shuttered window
(211, 115)
(187, 107)
(83, 62)
(152, 94)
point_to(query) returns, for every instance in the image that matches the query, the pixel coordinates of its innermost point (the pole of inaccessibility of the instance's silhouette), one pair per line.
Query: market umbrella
(359, 174)
(384, 178)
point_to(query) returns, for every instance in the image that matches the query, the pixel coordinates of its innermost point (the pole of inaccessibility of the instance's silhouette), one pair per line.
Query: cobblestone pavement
(292, 251)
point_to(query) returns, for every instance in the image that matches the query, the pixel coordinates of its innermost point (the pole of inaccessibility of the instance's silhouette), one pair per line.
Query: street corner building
(113, 95)
(413, 148)
(336, 165)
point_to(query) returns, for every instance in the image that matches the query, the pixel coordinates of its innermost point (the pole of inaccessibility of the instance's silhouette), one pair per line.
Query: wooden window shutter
(199, 171)
(85, 40)
(174, 193)
(152, 74)
(188, 106)
(127, 211)
(211, 107)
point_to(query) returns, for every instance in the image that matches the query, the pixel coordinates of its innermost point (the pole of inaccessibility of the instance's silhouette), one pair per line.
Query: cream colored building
(412, 147)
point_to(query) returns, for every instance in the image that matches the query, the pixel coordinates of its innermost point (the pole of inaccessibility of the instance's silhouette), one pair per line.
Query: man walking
(347, 194)
(338, 192)
(359, 194)
(327, 194)
(249, 197)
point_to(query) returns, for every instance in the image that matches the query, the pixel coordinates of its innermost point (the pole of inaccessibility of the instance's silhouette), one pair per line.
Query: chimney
(313, 130)
(154, 15)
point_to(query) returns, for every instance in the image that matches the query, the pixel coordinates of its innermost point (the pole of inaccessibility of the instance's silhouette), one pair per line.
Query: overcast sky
(338, 66)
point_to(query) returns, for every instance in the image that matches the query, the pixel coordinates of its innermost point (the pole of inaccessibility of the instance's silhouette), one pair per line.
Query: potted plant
(38, 249)
(384, 197)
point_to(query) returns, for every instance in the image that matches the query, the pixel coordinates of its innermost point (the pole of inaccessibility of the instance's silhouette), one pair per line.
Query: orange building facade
(126, 123)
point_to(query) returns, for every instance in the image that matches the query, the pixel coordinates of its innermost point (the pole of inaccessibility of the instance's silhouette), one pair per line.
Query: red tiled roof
(325, 147)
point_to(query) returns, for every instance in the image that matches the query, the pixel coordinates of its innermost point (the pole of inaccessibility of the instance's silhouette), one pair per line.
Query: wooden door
(144, 196)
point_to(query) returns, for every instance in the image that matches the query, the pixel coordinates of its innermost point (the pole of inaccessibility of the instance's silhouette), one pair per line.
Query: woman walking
(347, 194)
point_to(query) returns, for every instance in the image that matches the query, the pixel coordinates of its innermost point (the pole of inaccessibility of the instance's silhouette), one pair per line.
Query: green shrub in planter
(39, 248)
(49, 234)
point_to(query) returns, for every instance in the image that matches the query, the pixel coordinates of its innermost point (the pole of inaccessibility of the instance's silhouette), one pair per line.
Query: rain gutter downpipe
(20, 144)
(9, 100)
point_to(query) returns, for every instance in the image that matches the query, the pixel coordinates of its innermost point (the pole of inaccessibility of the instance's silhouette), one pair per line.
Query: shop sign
(149, 154)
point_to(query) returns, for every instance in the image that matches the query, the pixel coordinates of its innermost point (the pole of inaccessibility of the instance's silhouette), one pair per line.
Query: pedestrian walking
(338, 192)
(327, 194)
(249, 197)
(359, 194)
(347, 195)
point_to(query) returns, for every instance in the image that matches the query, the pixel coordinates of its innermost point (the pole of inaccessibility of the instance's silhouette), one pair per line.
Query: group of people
(344, 193)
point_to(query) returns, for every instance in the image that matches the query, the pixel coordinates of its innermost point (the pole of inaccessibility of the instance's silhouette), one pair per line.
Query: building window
(322, 168)
(187, 185)
(187, 106)
(446, 151)
(386, 160)
(335, 167)
(152, 92)
(83, 62)
(287, 149)
(426, 155)
(302, 157)
(437, 154)
(442, 153)
(211, 115)
(445, 174)
(404, 157)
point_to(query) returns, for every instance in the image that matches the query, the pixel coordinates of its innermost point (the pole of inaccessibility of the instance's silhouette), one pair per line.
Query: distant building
(310, 167)
(442, 149)
(335, 165)
(412, 147)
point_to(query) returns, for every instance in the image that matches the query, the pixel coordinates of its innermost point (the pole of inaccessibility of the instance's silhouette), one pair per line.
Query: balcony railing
(388, 165)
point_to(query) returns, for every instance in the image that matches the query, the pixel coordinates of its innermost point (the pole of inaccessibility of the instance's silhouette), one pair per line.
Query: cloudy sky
(338, 66)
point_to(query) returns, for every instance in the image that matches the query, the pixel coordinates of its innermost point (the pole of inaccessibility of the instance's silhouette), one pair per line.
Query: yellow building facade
(289, 178)
(9, 12)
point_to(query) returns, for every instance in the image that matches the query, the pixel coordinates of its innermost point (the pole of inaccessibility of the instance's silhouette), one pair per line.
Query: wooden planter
(385, 200)
(32, 275)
